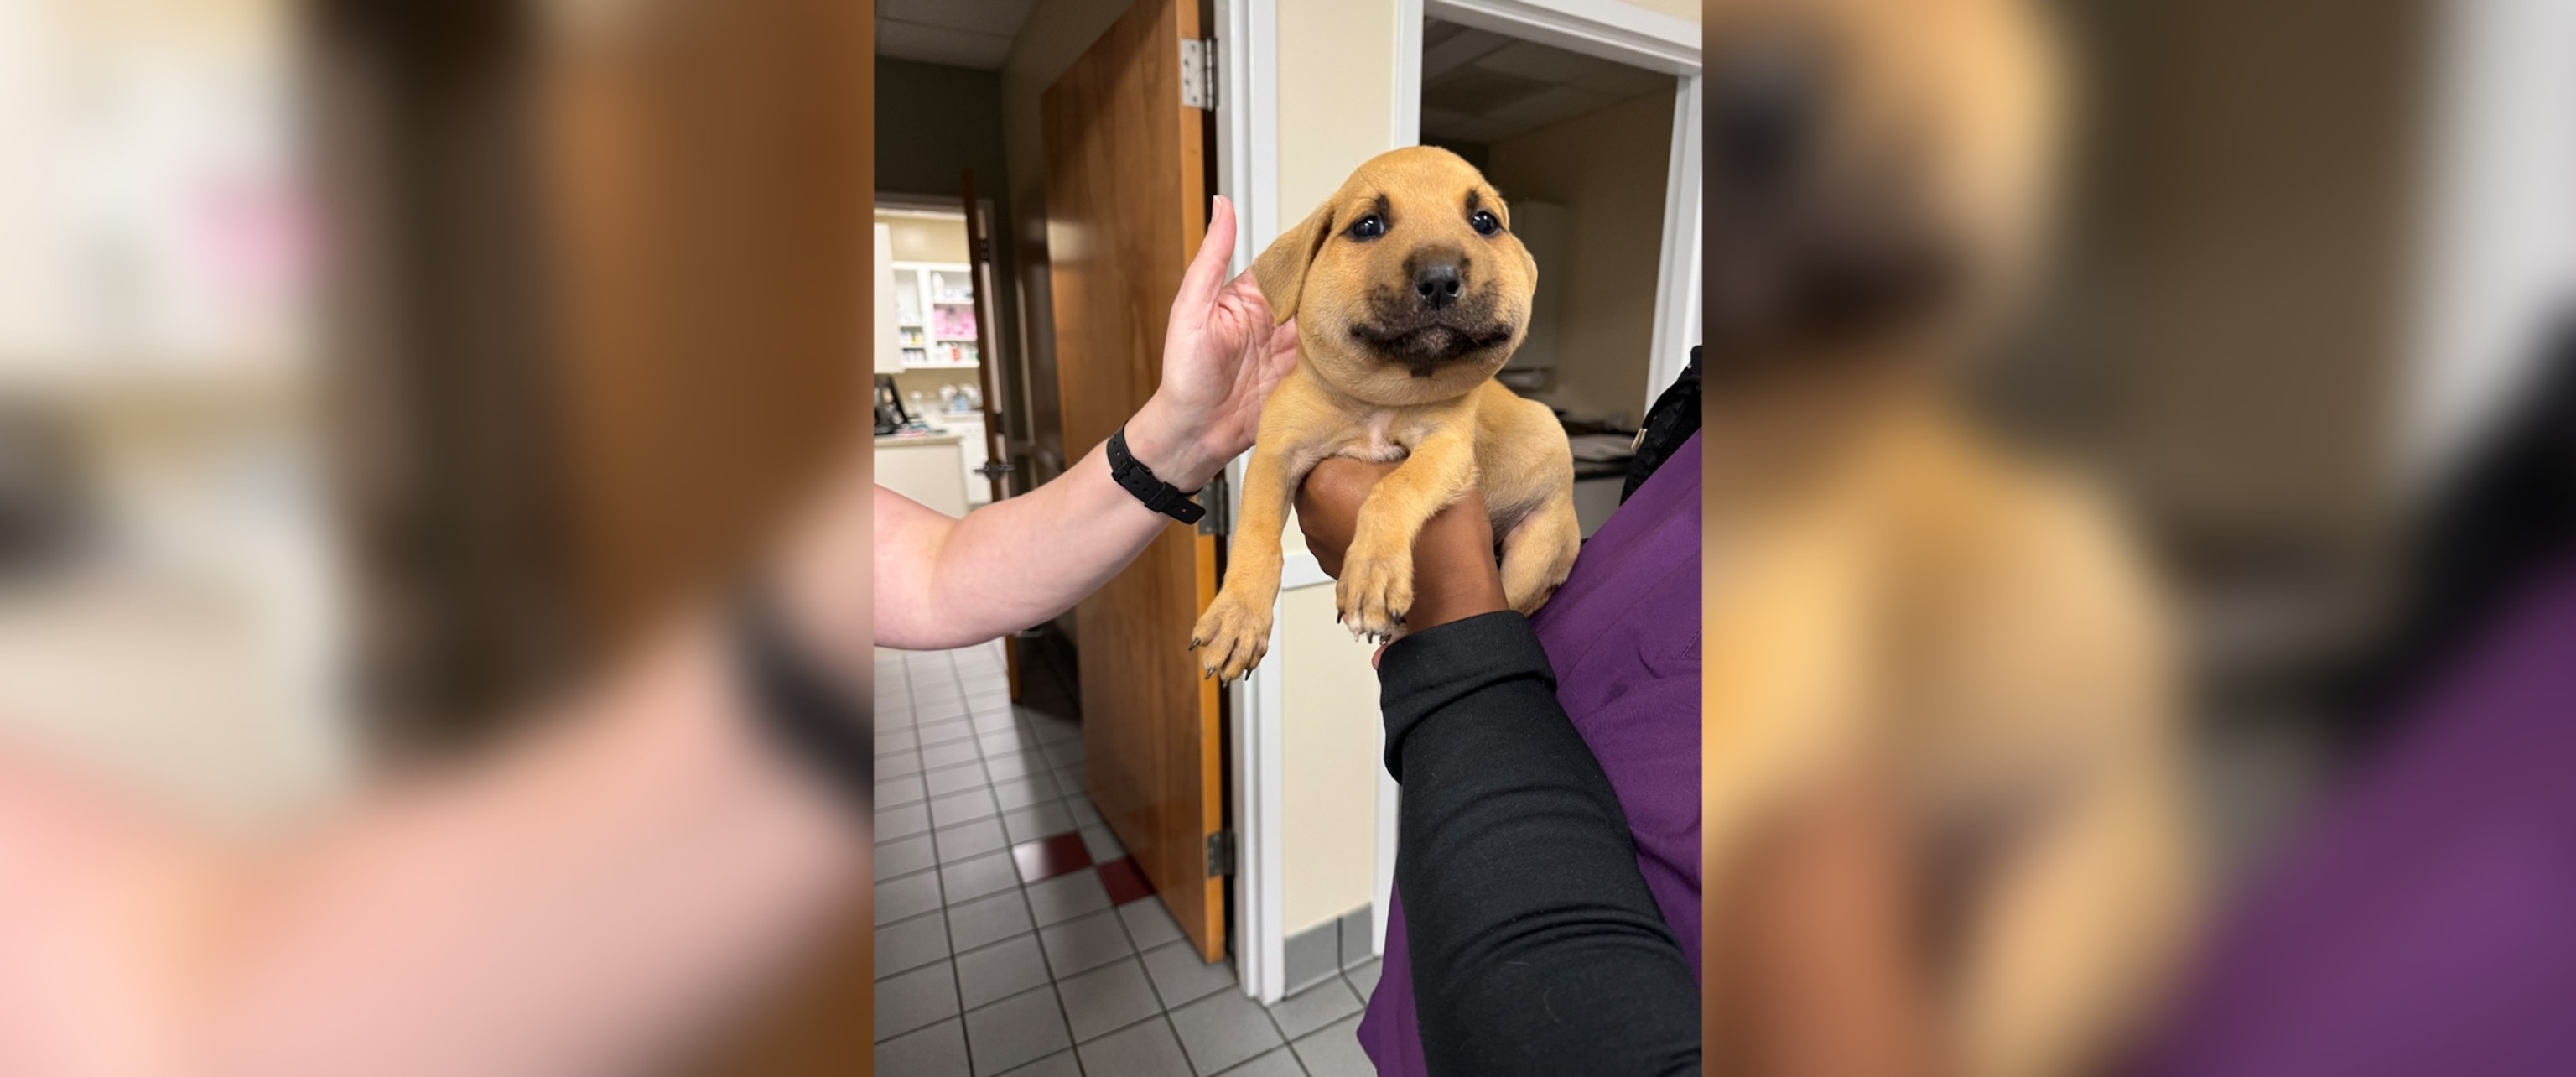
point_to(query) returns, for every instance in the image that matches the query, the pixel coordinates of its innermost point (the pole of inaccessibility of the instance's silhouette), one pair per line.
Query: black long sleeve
(1536, 946)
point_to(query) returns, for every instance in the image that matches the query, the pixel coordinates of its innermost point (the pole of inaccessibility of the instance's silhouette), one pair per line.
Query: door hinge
(1220, 850)
(1198, 73)
(1219, 518)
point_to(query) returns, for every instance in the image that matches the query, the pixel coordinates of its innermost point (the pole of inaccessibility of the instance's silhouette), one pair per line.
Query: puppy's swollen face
(1880, 171)
(1407, 284)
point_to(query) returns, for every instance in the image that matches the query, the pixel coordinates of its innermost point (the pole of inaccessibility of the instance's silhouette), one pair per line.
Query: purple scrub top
(1623, 635)
(2426, 922)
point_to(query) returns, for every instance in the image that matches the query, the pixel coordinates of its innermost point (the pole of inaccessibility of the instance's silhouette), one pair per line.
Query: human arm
(589, 900)
(943, 582)
(1536, 945)
(595, 896)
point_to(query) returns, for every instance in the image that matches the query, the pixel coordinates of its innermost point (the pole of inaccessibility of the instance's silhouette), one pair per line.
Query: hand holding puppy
(1456, 575)
(1221, 358)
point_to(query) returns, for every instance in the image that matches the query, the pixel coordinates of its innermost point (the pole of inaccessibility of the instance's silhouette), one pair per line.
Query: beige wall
(924, 239)
(1680, 9)
(1336, 109)
(1607, 169)
(1336, 96)
(1329, 763)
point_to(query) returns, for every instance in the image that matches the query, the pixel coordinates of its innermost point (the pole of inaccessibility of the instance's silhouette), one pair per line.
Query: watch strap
(1134, 477)
(799, 704)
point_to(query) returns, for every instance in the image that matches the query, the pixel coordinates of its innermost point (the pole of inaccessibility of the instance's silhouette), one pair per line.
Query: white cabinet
(934, 315)
(925, 469)
(889, 350)
(972, 451)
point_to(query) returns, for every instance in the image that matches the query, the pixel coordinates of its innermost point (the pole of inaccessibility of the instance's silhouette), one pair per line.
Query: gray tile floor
(994, 957)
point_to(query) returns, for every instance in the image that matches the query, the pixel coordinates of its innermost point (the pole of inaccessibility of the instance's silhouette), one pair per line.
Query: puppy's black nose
(1437, 284)
(1763, 115)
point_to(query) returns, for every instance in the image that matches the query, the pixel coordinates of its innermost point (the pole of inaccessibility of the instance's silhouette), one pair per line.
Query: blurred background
(335, 365)
(364, 367)
(171, 592)
(2315, 253)
(369, 367)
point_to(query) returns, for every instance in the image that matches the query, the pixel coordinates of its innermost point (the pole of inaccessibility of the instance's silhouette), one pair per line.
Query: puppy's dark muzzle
(1406, 328)
(1826, 274)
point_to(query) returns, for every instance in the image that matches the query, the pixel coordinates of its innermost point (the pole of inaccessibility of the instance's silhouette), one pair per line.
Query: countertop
(917, 439)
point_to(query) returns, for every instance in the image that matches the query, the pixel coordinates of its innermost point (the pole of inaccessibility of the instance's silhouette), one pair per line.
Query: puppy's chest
(1381, 435)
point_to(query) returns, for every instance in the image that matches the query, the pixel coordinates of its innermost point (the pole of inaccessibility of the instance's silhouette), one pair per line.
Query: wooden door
(1126, 205)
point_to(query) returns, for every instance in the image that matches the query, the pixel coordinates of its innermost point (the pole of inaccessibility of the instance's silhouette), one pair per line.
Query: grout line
(956, 983)
(1054, 983)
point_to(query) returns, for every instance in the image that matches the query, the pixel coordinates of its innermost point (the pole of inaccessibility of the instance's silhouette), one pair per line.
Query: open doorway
(1589, 150)
(935, 381)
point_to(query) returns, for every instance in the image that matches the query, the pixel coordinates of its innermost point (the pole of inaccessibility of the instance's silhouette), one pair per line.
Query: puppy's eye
(1484, 222)
(1369, 227)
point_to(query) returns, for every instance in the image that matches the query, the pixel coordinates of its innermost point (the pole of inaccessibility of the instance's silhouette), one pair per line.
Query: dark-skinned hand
(1455, 572)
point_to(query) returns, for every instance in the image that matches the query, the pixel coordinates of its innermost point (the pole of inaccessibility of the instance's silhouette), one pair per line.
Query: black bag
(1672, 421)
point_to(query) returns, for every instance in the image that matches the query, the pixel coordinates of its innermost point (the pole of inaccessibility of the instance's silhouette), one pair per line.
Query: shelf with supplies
(938, 295)
(927, 318)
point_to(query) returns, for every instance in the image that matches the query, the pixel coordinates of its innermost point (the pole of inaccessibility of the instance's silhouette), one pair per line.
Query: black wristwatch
(1134, 477)
(803, 708)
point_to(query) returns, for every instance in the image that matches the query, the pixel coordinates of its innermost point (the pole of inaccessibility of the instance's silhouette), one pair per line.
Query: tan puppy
(1410, 292)
(1891, 590)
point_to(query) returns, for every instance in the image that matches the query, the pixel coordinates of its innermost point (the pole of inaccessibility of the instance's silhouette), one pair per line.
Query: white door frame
(1247, 170)
(2496, 226)
(1621, 33)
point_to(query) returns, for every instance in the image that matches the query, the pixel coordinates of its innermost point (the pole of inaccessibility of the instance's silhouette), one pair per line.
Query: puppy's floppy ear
(1281, 268)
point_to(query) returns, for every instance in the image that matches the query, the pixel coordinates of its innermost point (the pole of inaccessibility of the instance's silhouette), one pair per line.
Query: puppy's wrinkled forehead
(1414, 183)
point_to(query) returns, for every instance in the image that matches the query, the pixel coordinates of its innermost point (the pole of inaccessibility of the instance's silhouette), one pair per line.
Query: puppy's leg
(1539, 553)
(1234, 633)
(1376, 587)
(1785, 692)
(2079, 931)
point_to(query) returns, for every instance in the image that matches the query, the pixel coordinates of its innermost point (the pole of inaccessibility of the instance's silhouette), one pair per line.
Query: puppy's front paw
(1375, 592)
(1231, 637)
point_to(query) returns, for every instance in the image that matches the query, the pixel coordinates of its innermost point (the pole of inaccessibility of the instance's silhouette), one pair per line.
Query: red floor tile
(1047, 858)
(1123, 881)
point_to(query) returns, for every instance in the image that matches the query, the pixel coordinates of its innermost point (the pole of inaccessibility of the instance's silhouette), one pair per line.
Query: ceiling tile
(1438, 123)
(1002, 17)
(1624, 82)
(937, 45)
(1540, 63)
(1435, 31)
(1554, 104)
(1474, 91)
(1458, 51)
(1479, 131)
